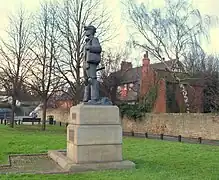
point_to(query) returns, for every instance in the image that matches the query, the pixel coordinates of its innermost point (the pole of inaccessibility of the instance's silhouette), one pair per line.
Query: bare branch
(169, 33)
(73, 16)
(44, 80)
(15, 52)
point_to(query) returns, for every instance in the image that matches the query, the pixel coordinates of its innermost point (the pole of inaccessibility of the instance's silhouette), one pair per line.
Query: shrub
(138, 110)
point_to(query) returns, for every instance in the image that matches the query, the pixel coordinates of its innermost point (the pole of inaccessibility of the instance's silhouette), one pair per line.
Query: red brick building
(137, 82)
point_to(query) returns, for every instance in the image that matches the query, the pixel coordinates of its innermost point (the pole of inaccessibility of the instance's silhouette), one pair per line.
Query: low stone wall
(60, 115)
(187, 125)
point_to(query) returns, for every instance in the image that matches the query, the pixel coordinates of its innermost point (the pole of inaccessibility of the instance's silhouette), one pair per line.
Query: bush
(138, 110)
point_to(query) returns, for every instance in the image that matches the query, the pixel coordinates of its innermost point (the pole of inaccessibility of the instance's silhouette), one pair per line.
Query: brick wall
(149, 78)
(186, 125)
(160, 103)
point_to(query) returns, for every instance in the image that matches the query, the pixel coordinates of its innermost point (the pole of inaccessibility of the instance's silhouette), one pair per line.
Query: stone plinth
(94, 140)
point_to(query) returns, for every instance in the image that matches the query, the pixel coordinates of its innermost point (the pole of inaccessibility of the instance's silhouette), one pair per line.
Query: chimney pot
(145, 63)
(146, 55)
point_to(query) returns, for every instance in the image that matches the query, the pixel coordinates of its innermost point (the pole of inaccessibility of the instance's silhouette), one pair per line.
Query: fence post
(146, 135)
(5, 122)
(180, 138)
(60, 123)
(200, 140)
(19, 122)
(1, 121)
(161, 136)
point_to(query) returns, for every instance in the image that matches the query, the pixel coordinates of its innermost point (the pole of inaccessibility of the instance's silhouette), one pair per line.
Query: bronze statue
(92, 58)
(92, 51)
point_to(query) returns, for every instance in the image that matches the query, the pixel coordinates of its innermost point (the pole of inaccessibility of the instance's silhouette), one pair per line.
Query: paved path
(31, 164)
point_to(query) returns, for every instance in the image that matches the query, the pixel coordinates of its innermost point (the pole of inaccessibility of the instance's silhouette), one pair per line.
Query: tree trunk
(113, 93)
(184, 94)
(44, 115)
(185, 97)
(78, 86)
(13, 105)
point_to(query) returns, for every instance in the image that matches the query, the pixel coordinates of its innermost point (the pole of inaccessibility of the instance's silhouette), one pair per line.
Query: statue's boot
(86, 93)
(95, 97)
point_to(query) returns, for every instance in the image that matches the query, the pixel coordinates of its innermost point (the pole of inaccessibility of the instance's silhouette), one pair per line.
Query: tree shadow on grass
(153, 167)
(50, 129)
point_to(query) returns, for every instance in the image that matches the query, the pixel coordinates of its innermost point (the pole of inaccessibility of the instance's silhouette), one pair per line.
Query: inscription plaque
(71, 135)
(73, 116)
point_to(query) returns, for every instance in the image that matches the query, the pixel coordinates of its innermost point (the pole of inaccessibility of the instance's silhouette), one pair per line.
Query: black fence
(146, 135)
(179, 138)
(6, 121)
(19, 122)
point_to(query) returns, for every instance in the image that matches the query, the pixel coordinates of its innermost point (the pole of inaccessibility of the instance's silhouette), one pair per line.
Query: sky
(205, 6)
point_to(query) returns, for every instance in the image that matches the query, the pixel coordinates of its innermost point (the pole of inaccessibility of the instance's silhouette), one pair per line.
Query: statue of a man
(92, 57)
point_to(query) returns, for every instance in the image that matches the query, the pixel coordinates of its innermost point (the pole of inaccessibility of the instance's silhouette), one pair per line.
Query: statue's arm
(95, 48)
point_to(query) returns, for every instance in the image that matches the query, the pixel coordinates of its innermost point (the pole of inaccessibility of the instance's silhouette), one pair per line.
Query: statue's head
(89, 30)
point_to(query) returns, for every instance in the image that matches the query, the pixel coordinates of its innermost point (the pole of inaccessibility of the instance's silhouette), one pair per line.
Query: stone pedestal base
(68, 165)
(94, 140)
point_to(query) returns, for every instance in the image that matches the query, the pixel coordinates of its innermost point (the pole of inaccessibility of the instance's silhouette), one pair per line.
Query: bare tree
(16, 55)
(73, 16)
(109, 77)
(169, 33)
(44, 80)
(206, 68)
(117, 68)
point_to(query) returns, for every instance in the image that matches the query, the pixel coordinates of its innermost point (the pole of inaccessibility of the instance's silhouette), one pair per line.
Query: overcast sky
(205, 6)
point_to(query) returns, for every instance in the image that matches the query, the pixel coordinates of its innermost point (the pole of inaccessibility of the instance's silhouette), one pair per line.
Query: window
(124, 91)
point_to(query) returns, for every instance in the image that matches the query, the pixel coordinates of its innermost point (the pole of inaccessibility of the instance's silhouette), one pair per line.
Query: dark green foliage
(211, 89)
(132, 111)
(172, 105)
(138, 110)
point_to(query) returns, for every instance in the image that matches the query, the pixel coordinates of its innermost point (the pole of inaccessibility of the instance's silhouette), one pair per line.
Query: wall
(160, 103)
(186, 125)
(149, 78)
(60, 115)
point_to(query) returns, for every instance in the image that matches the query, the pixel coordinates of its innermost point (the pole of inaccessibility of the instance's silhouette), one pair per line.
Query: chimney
(145, 62)
(147, 76)
(126, 66)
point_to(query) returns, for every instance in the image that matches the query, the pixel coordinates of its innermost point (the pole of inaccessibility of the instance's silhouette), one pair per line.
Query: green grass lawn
(154, 159)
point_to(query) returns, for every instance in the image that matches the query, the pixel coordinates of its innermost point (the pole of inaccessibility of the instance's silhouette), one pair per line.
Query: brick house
(137, 82)
(64, 101)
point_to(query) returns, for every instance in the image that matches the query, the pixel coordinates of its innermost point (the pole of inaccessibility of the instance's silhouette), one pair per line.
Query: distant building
(25, 102)
(5, 113)
(135, 83)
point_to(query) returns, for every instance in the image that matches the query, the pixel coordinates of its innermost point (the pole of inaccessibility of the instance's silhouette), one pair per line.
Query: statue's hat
(90, 27)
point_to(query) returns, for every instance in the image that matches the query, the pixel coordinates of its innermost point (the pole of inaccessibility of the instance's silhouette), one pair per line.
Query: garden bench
(33, 120)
